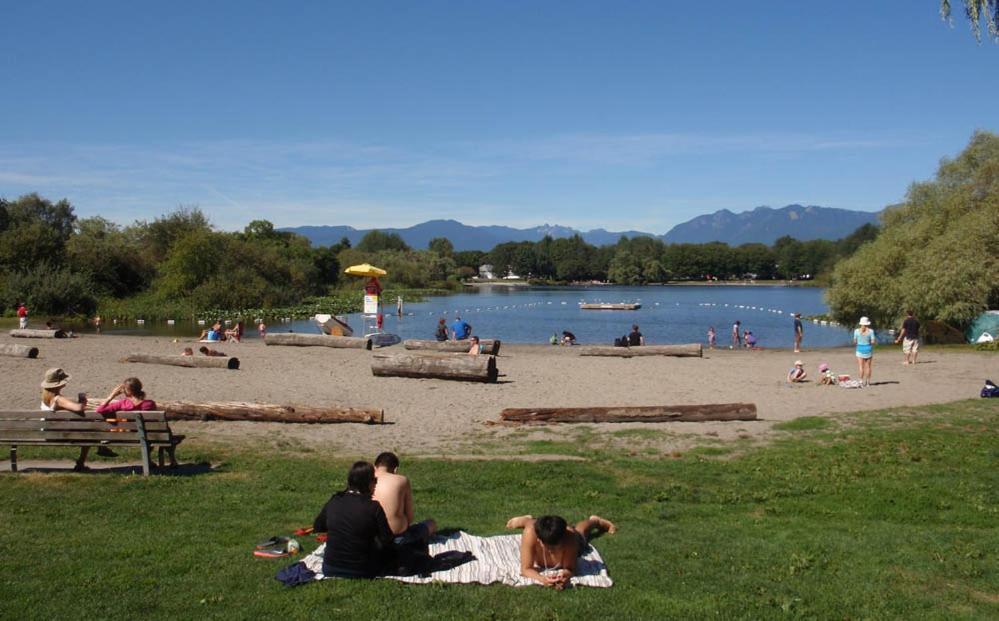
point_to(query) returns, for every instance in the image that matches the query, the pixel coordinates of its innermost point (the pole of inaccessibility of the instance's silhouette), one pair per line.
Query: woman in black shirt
(360, 540)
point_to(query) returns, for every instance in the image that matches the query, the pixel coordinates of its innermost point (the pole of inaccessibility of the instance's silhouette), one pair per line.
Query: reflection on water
(674, 314)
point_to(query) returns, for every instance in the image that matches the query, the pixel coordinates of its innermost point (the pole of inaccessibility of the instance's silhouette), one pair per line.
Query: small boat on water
(609, 306)
(333, 325)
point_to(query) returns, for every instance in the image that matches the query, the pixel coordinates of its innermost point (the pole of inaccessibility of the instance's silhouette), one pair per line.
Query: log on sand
(489, 346)
(210, 362)
(268, 412)
(692, 350)
(633, 414)
(452, 367)
(317, 340)
(18, 351)
(29, 333)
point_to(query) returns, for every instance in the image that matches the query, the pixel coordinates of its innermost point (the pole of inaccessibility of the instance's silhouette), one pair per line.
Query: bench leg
(146, 466)
(173, 456)
(160, 460)
(13, 459)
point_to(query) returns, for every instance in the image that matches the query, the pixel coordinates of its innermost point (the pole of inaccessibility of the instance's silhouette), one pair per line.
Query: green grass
(894, 516)
(805, 423)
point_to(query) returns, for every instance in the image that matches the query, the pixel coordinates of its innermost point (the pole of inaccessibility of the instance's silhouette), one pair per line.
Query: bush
(50, 291)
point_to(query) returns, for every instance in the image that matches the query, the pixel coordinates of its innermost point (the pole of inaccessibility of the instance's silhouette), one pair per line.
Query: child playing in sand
(549, 543)
(826, 376)
(797, 374)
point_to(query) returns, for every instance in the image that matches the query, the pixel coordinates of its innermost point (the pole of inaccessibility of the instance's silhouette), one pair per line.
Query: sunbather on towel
(549, 543)
(395, 495)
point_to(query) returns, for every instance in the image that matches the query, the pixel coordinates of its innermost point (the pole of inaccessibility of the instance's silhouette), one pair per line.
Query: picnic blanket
(497, 559)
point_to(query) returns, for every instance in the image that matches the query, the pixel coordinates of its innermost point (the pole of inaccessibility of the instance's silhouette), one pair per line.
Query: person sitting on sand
(210, 352)
(827, 377)
(213, 334)
(750, 340)
(476, 347)
(441, 334)
(549, 543)
(395, 495)
(52, 401)
(797, 373)
(235, 334)
(635, 337)
(187, 352)
(568, 338)
(360, 539)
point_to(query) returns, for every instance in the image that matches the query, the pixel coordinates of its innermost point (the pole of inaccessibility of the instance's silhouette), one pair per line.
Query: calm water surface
(673, 314)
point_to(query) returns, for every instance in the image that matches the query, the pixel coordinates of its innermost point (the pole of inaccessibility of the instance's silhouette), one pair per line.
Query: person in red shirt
(133, 398)
(22, 315)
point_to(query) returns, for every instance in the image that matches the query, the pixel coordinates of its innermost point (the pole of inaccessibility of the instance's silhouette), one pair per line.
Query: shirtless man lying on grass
(395, 496)
(549, 543)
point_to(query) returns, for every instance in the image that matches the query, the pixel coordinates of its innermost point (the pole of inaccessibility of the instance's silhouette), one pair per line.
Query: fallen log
(268, 412)
(18, 351)
(29, 333)
(211, 362)
(463, 368)
(692, 350)
(633, 414)
(317, 340)
(489, 346)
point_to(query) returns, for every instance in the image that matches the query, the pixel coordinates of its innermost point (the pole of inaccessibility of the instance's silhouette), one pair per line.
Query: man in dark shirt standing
(799, 332)
(635, 338)
(360, 540)
(909, 337)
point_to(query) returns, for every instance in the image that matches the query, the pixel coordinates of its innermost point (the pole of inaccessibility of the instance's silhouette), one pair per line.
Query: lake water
(671, 314)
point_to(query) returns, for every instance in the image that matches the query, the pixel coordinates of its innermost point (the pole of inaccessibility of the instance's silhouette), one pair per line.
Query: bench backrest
(39, 426)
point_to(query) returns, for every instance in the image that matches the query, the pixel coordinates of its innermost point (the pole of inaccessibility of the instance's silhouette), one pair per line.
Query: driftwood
(268, 412)
(489, 346)
(211, 362)
(29, 333)
(18, 351)
(320, 340)
(452, 367)
(633, 414)
(692, 350)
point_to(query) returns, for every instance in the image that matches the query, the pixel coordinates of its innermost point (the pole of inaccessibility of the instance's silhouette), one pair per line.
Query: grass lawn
(886, 514)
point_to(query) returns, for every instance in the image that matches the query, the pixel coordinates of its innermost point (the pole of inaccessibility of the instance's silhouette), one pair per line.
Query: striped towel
(497, 559)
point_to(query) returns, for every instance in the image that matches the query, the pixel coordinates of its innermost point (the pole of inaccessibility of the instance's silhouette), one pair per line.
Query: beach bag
(990, 390)
(621, 342)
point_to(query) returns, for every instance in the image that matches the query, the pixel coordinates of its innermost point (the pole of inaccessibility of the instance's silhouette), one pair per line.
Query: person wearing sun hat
(53, 382)
(797, 373)
(864, 339)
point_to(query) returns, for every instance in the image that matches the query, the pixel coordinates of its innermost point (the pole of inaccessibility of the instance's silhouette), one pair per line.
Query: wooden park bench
(146, 430)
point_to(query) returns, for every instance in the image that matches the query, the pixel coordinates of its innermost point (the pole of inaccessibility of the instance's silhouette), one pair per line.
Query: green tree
(114, 260)
(34, 230)
(442, 246)
(977, 11)
(937, 253)
(375, 241)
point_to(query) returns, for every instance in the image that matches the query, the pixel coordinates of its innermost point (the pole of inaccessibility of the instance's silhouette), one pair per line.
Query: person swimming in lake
(549, 543)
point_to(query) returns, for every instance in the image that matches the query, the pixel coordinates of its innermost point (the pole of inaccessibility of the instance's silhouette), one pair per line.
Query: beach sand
(446, 418)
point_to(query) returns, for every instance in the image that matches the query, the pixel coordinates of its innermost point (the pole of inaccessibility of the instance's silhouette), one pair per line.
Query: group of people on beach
(371, 525)
(127, 396)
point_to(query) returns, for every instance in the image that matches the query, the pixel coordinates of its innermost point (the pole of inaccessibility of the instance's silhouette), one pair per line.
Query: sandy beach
(438, 417)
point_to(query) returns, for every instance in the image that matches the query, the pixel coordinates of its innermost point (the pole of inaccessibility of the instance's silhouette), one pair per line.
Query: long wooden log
(489, 346)
(210, 362)
(691, 350)
(465, 368)
(317, 340)
(268, 412)
(29, 333)
(633, 414)
(18, 351)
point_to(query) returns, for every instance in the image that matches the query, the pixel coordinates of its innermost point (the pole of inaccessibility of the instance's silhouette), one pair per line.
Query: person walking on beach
(799, 332)
(864, 339)
(909, 337)
(711, 337)
(22, 315)
(736, 335)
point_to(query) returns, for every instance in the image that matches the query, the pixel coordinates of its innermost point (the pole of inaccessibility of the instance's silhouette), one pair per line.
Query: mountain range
(763, 225)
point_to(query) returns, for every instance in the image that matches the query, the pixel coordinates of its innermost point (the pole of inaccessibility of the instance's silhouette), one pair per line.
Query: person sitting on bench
(132, 398)
(52, 384)
(549, 543)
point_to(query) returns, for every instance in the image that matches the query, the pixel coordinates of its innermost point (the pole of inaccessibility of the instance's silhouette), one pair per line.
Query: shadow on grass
(182, 470)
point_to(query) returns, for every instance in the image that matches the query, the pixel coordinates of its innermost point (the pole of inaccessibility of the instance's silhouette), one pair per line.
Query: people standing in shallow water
(736, 335)
(864, 339)
(549, 543)
(711, 337)
(799, 332)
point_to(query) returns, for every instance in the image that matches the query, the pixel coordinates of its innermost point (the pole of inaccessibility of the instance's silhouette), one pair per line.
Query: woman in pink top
(134, 398)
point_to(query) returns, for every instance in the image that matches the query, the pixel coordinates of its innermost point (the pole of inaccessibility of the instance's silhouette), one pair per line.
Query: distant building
(486, 272)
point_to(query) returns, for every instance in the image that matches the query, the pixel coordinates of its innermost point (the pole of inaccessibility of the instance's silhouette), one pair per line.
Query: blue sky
(618, 115)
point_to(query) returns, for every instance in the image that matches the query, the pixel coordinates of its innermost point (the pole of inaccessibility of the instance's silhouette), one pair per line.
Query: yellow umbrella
(365, 269)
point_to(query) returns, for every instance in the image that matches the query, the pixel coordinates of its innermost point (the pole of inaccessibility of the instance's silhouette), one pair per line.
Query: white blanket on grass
(497, 559)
